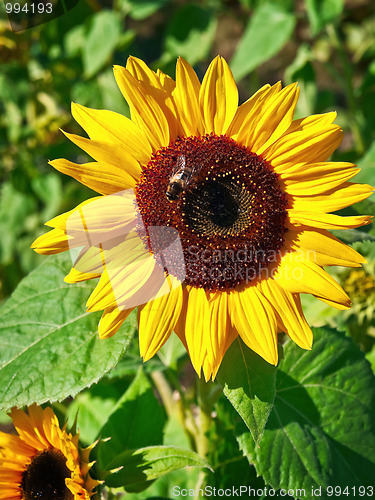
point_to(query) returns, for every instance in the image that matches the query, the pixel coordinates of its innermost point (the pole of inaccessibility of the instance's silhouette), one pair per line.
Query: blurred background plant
(328, 46)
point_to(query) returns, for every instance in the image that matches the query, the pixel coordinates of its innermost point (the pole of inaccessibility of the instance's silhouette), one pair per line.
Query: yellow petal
(296, 275)
(334, 199)
(75, 276)
(316, 178)
(53, 242)
(218, 97)
(111, 321)
(102, 297)
(166, 82)
(103, 219)
(90, 261)
(291, 319)
(151, 83)
(211, 365)
(113, 154)
(99, 176)
(242, 125)
(142, 72)
(157, 319)
(197, 326)
(309, 140)
(186, 96)
(325, 221)
(59, 222)
(254, 320)
(122, 285)
(220, 323)
(332, 303)
(221, 334)
(107, 126)
(274, 119)
(264, 117)
(147, 109)
(322, 248)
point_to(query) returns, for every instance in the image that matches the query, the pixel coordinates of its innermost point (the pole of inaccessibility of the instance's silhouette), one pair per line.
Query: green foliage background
(328, 46)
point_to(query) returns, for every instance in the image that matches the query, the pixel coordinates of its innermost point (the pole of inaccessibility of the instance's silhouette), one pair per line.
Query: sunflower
(43, 461)
(239, 198)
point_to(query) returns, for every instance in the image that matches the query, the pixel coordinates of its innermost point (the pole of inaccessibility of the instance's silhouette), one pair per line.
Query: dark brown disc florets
(230, 216)
(44, 478)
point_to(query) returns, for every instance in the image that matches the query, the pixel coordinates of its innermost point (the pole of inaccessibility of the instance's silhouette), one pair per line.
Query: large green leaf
(268, 30)
(250, 387)
(321, 431)
(129, 426)
(136, 468)
(50, 348)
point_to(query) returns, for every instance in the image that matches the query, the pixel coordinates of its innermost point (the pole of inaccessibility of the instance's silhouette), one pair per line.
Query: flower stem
(205, 424)
(174, 406)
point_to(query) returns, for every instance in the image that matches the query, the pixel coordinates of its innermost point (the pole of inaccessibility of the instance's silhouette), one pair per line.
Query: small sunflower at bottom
(43, 461)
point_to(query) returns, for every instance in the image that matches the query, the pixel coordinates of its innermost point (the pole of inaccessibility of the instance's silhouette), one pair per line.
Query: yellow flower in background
(43, 461)
(247, 190)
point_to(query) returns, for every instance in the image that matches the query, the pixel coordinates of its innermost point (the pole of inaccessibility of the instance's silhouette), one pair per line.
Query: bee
(180, 179)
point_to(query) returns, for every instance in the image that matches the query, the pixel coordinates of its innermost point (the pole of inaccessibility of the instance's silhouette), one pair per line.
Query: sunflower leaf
(268, 30)
(134, 469)
(321, 430)
(250, 387)
(129, 426)
(50, 348)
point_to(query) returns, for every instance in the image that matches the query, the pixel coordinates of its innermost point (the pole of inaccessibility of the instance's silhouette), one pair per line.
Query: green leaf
(321, 12)
(268, 30)
(190, 34)
(129, 426)
(139, 467)
(301, 70)
(49, 190)
(321, 430)
(74, 40)
(141, 9)
(84, 408)
(367, 165)
(101, 40)
(50, 348)
(12, 221)
(111, 96)
(250, 387)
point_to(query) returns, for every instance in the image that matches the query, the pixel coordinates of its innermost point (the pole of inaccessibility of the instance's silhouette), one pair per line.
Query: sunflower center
(44, 478)
(224, 201)
(218, 207)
